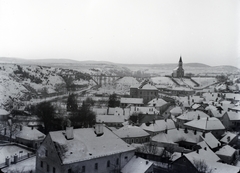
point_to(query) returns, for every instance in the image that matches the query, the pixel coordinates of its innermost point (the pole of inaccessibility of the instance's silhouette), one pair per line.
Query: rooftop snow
(137, 164)
(159, 125)
(86, 145)
(211, 140)
(157, 102)
(206, 124)
(228, 137)
(226, 151)
(192, 115)
(130, 131)
(30, 134)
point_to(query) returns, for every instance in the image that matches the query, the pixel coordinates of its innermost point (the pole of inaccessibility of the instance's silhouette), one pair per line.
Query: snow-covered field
(204, 81)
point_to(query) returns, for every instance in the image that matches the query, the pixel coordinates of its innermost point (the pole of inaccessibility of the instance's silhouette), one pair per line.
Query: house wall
(137, 140)
(227, 159)
(30, 143)
(182, 165)
(53, 161)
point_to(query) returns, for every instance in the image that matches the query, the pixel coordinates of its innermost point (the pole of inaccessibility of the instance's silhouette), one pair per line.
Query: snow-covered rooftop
(211, 141)
(206, 124)
(157, 102)
(30, 134)
(226, 151)
(110, 118)
(137, 165)
(176, 110)
(159, 125)
(131, 100)
(130, 131)
(149, 87)
(192, 115)
(233, 116)
(3, 112)
(174, 135)
(86, 145)
(228, 137)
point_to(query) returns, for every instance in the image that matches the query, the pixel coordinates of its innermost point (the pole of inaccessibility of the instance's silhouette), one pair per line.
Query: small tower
(180, 63)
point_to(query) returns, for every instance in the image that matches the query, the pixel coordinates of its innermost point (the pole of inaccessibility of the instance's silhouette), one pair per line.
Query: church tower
(180, 62)
(178, 72)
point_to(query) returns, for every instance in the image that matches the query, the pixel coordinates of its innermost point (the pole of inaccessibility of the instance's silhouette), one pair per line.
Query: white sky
(122, 31)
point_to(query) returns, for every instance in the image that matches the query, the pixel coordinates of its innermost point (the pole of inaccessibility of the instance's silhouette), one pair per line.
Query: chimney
(185, 130)
(166, 130)
(198, 117)
(195, 132)
(203, 134)
(99, 129)
(197, 151)
(20, 127)
(69, 133)
(32, 128)
(146, 162)
(228, 138)
(205, 148)
(207, 118)
(69, 130)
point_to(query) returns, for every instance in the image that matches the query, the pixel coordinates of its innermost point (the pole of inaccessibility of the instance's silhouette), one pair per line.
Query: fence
(9, 160)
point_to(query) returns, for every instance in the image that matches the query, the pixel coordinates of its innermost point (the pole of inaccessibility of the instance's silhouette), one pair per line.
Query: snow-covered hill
(20, 83)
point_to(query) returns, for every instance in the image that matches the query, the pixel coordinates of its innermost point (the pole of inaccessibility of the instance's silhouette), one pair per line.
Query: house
(210, 140)
(207, 124)
(146, 91)
(189, 116)
(132, 134)
(111, 120)
(231, 120)
(4, 115)
(83, 150)
(30, 137)
(177, 139)
(229, 138)
(158, 126)
(176, 111)
(138, 165)
(143, 110)
(227, 154)
(192, 162)
(160, 104)
(124, 102)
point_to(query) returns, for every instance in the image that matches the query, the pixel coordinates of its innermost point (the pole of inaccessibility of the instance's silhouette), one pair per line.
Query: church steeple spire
(180, 62)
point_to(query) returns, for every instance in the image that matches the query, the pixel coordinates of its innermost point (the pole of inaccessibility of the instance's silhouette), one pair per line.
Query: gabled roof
(159, 125)
(206, 124)
(206, 155)
(157, 102)
(233, 116)
(137, 165)
(174, 136)
(226, 151)
(228, 137)
(192, 115)
(131, 132)
(176, 110)
(86, 145)
(211, 140)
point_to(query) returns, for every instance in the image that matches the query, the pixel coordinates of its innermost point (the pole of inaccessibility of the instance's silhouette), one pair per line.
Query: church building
(178, 72)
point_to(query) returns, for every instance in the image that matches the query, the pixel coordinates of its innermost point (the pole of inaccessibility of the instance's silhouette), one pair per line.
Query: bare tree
(148, 149)
(201, 166)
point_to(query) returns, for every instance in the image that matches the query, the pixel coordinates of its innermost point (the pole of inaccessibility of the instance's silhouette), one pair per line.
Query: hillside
(20, 83)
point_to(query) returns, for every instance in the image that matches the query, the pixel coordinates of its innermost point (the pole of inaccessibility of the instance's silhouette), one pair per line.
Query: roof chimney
(197, 151)
(99, 129)
(185, 130)
(166, 130)
(69, 130)
(198, 117)
(146, 162)
(203, 134)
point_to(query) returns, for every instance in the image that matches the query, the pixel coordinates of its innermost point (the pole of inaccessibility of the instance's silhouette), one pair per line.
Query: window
(41, 164)
(69, 170)
(96, 166)
(47, 168)
(46, 153)
(83, 169)
(117, 161)
(126, 157)
(53, 170)
(108, 163)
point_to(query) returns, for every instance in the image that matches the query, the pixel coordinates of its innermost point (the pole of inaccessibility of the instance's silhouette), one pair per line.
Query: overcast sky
(122, 31)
